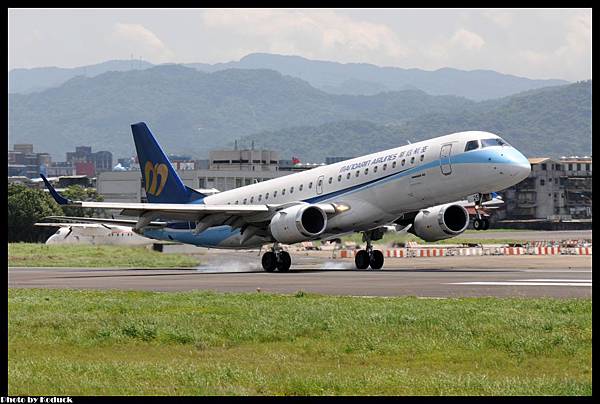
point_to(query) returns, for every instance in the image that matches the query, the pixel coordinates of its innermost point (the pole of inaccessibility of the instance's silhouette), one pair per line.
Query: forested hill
(554, 122)
(192, 112)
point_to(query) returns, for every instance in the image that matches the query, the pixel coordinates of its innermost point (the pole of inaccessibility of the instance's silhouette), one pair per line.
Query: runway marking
(557, 280)
(552, 282)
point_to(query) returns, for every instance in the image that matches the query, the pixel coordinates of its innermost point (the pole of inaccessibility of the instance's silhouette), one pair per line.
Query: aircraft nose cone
(520, 167)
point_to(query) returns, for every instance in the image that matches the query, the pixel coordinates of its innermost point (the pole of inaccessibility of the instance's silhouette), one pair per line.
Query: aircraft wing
(204, 215)
(91, 221)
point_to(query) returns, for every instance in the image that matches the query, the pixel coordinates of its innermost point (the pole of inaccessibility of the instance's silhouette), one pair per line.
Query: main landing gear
(276, 259)
(369, 257)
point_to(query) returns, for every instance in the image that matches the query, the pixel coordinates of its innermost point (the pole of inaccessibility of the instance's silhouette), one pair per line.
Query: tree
(78, 193)
(27, 206)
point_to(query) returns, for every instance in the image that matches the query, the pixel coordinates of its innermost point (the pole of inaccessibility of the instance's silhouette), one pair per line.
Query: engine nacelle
(298, 223)
(441, 222)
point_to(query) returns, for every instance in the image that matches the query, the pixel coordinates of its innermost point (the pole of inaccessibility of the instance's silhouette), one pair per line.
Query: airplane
(94, 233)
(414, 184)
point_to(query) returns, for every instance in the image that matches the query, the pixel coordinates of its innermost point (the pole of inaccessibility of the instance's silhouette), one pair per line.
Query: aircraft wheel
(269, 261)
(362, 259)
(477, 224)
(376, 259)
(486, 224)
(284, 262)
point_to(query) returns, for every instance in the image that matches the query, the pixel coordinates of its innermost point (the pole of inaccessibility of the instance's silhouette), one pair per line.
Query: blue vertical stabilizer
(161, 182)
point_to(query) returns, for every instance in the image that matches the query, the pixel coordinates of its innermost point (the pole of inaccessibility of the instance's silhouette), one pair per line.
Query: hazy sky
(549, 43)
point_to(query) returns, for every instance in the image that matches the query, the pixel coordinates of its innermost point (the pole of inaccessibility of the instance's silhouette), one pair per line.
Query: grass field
(42, 255)
(77, 342)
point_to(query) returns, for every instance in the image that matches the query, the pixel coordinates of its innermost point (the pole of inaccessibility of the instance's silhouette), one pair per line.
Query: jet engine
(298, 223)
(441, 222)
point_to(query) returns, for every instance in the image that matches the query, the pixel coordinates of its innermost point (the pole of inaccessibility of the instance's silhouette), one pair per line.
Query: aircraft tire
(284, 262)
(486, 224)
(269, 261)
(362, 259)
(376, 260)
(477, 224)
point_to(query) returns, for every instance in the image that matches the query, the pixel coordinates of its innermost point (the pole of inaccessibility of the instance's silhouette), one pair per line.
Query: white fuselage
(379, 187)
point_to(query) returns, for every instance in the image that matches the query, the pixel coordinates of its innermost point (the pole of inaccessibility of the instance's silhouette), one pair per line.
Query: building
(577, 183)
(100, 161)
(555, 189)
(244, 160)
(224, 170)
(59, 169)
(22, 161)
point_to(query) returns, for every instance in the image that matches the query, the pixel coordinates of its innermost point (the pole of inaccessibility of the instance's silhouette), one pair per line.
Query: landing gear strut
(276, 259)
(480, 223)
(369, 257)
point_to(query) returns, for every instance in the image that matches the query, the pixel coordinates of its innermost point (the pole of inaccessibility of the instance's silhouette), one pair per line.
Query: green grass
(80, 342)
(42, 255)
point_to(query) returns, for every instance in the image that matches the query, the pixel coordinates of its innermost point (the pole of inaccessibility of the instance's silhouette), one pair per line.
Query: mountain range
(331, 77)
(192, 112)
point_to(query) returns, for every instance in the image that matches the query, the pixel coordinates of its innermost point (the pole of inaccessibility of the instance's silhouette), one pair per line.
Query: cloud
(467, 39)
(318, 33)
(142, 40)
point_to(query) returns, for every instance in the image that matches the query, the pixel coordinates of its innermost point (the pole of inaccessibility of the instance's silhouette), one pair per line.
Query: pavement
(315, 272)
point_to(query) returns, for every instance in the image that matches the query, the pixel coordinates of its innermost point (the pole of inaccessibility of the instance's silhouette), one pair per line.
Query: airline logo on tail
(155, 170)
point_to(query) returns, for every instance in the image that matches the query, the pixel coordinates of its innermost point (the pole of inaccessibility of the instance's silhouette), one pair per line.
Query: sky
(533, 43)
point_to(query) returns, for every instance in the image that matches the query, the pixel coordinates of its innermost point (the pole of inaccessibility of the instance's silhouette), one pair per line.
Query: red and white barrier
(473, 251)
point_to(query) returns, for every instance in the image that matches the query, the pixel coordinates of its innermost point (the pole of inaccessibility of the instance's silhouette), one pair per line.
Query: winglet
(61, 200)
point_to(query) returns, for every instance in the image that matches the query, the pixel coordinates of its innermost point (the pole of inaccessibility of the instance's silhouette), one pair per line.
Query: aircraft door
(320, 184)
(445, 159)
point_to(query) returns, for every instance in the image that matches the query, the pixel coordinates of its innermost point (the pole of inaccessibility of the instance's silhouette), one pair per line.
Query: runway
(532, 276)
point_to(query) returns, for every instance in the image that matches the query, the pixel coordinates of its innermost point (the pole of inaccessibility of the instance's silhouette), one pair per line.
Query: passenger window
(339, 178)
(252, 199)
(267, 195)
(348, 176)
(394, 164)
(310, 185)
(301, 186)
(375, 169)
(245, 200)
(283, 192)
(330, 179)
(366, 171)
(402, 163)
(384, 166)
(236, 202)
(412, 160)
(259, 197)
(320, 182)
(275, 194)
(422, 157)
(357, 173)
(472, 145)
(291, 190)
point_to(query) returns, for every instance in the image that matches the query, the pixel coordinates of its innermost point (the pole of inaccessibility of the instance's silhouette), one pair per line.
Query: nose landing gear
(368, 256)
(480, 222)
(277, 258)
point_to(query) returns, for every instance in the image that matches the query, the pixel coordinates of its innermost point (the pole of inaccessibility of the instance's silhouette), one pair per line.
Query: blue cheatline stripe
(472, 157)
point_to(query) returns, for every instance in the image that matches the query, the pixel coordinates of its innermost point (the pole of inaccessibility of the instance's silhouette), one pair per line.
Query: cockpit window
(493, 142)
(472, 145)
